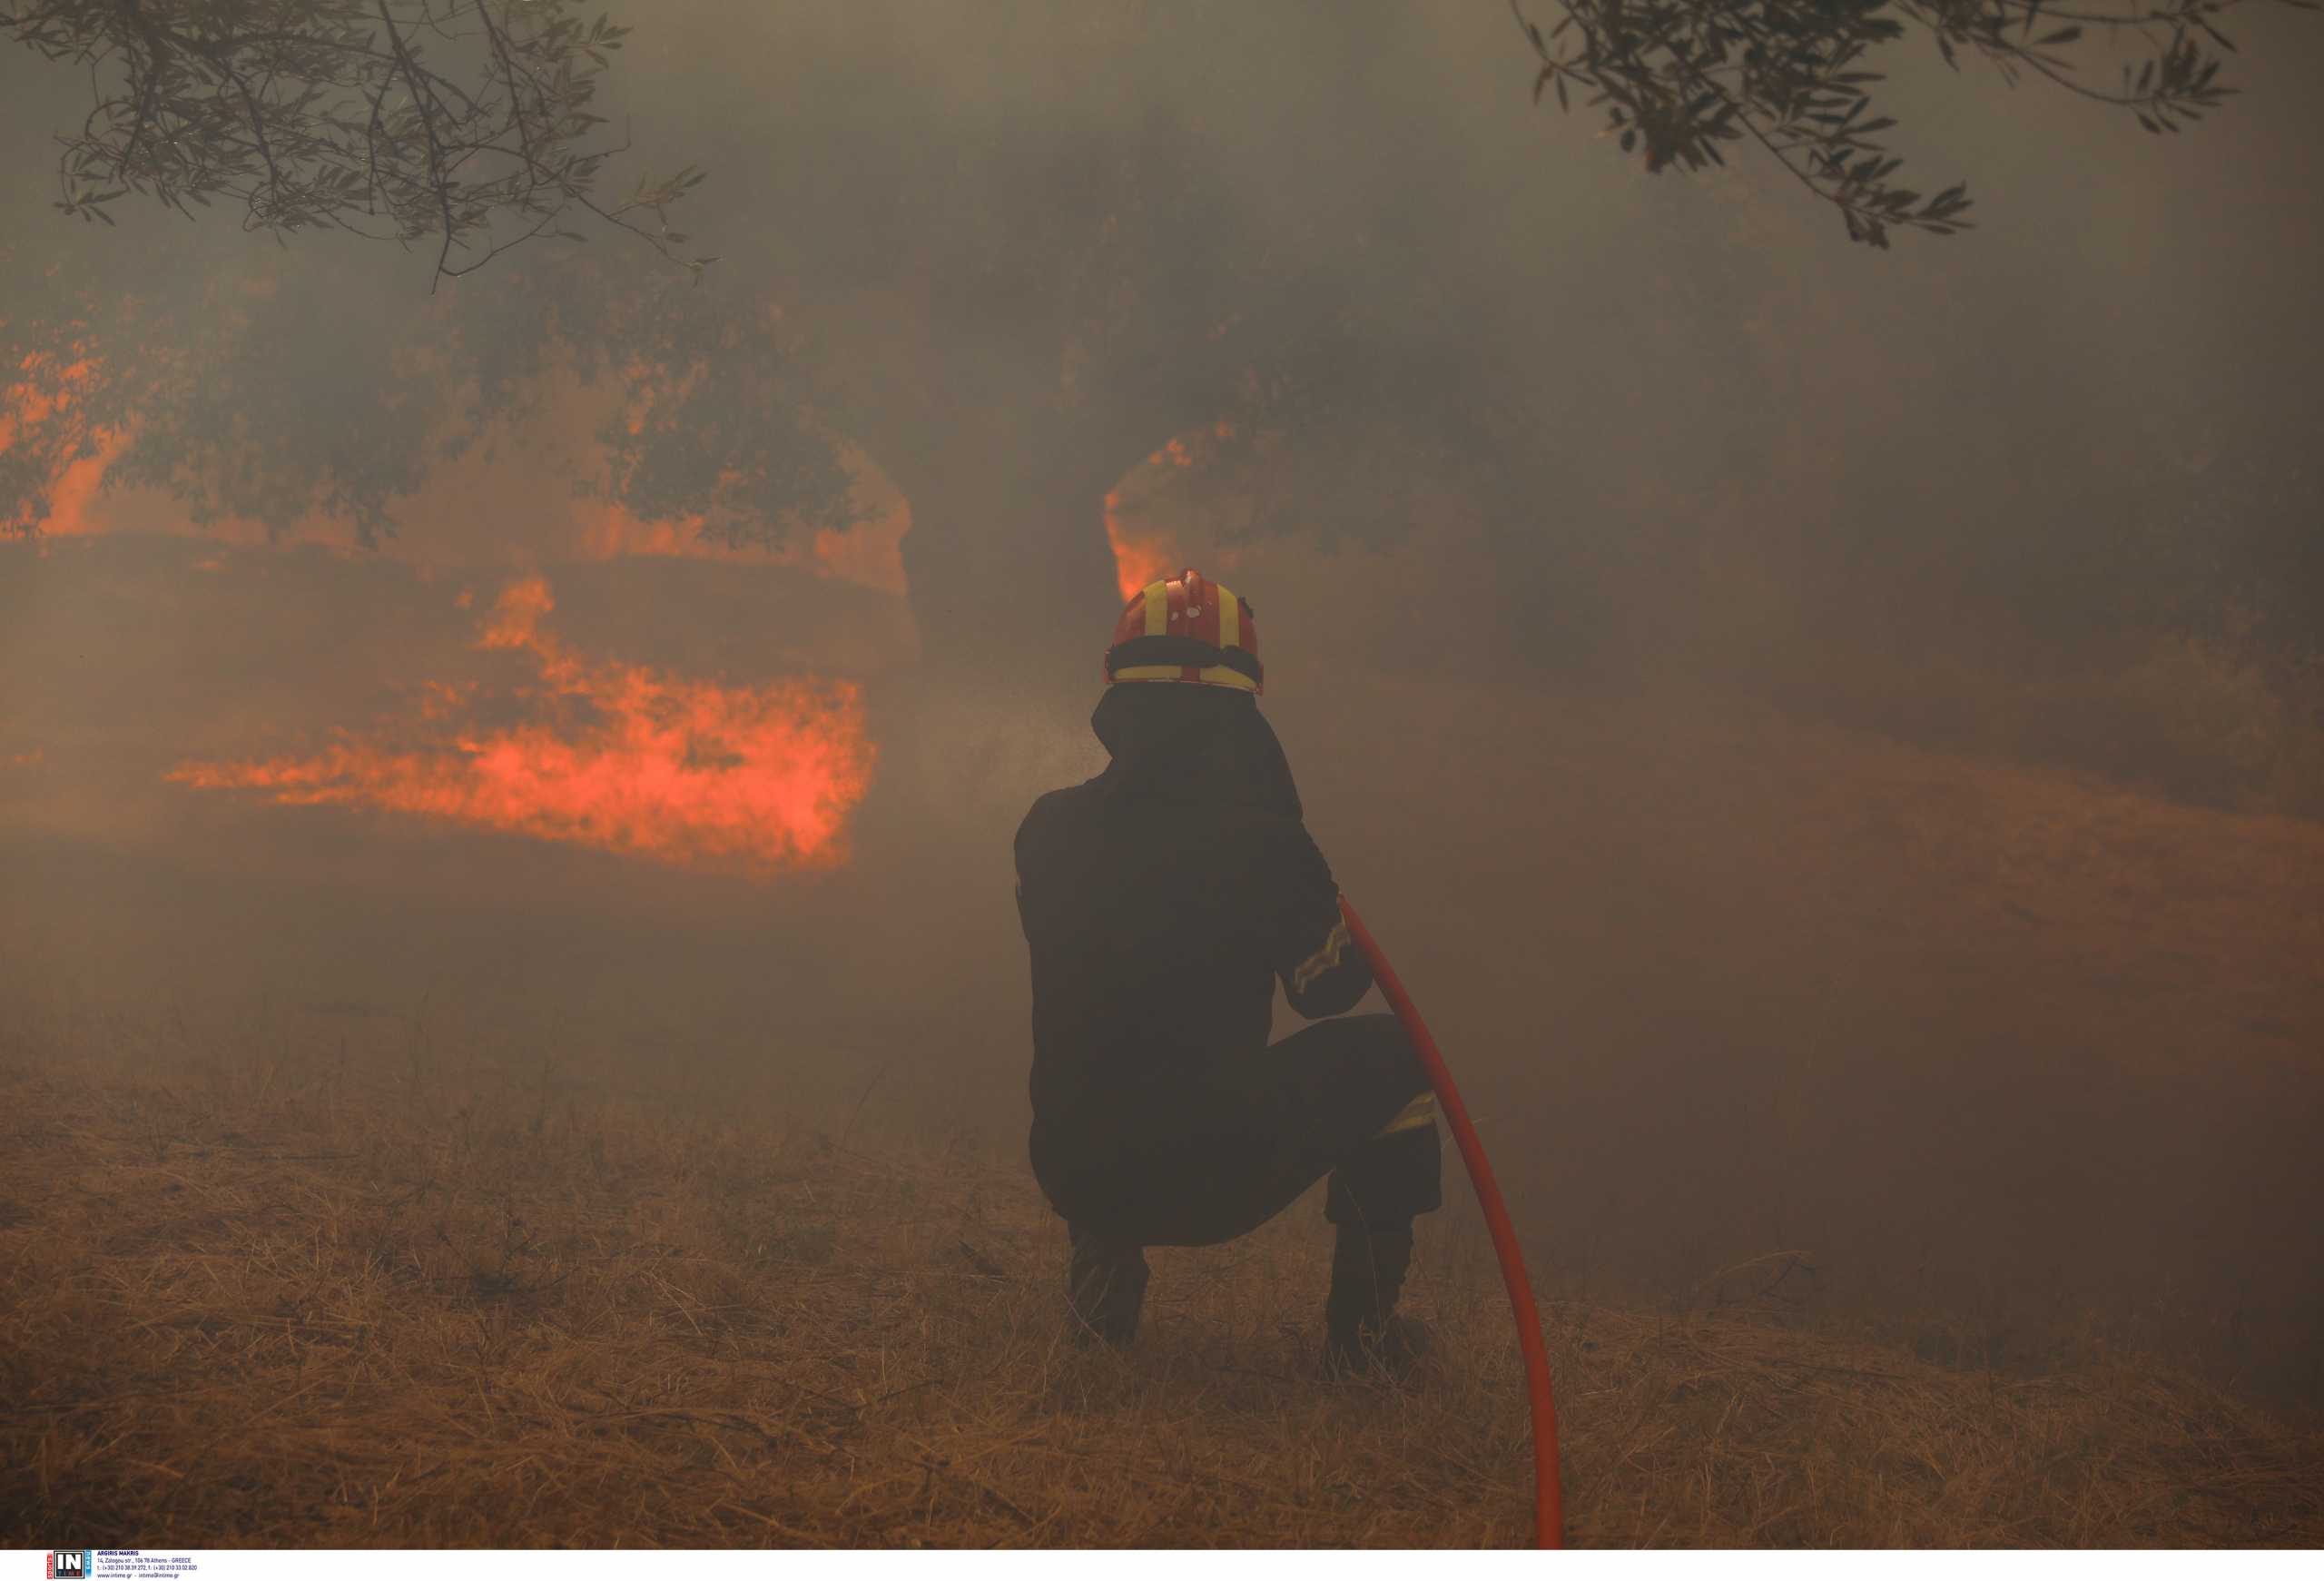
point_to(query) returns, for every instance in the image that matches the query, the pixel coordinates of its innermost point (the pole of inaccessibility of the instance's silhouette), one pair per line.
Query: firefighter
(1161, 901)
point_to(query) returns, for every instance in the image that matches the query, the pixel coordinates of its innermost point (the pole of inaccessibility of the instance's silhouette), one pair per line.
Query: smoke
(1735, 671)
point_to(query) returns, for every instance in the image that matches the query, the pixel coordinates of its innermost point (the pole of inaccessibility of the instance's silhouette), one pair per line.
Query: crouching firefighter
(1161, 901)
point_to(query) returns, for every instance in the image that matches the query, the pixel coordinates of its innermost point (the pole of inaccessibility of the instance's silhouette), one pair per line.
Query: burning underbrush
(617, 756)
(266, 1291)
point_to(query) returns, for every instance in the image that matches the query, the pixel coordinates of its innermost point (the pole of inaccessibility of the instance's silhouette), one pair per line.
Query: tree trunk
(1009, 573)
(1011, 585)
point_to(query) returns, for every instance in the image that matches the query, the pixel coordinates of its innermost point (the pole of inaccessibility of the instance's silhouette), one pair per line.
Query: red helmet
(1189, 628)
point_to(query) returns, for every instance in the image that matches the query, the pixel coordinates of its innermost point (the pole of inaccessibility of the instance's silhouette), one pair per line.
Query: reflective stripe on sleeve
(1335, 944)
(1420, 1112)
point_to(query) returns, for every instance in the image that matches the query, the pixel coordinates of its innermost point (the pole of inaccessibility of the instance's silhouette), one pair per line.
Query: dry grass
(257, 1302)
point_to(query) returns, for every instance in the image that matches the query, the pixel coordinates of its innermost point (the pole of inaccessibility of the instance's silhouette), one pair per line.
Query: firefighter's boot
(1105, 1289)
(1361, 1328)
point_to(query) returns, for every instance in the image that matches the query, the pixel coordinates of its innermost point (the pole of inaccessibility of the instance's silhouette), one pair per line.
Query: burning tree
(1006, 310)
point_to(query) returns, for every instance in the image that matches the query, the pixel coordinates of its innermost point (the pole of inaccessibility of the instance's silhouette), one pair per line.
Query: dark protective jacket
(1161, 902)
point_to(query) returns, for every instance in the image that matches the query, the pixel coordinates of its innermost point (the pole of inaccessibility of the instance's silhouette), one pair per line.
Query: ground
(257, 1298)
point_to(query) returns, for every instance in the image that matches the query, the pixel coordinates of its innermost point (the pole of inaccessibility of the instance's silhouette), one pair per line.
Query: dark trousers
(1254, 1134)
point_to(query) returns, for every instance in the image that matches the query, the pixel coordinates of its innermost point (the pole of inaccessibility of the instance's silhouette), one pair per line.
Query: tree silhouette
(467, 121)
(1678, 79)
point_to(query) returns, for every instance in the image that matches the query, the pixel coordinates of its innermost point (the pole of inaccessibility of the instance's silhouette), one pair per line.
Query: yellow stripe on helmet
(1157, 609)
(1230, 619)
(1215, 676)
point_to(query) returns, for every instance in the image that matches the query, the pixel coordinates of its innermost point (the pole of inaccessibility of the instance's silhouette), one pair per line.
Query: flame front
(37, 412)
(537, 515)
(1138, 557)
(1141, 558)
(758, 778)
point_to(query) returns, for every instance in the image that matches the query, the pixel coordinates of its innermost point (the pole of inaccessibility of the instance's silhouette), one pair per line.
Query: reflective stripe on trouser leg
(1388, 1180)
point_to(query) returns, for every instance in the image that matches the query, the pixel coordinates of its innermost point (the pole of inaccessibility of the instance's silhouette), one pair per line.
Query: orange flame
(760, 779)
(26, 407)
(538, 517)
(1138, 559)
(34, 417)
(1143, 558)
(73, 491)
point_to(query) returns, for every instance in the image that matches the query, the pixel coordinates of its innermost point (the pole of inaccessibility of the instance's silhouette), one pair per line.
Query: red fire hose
(1549, 1518)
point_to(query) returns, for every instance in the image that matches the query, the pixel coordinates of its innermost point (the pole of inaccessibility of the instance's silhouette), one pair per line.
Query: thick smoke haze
(1820, 730)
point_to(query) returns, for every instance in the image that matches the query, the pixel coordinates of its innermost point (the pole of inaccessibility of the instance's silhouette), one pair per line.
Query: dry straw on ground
(249, 1304)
